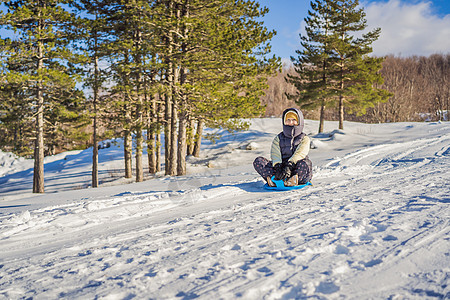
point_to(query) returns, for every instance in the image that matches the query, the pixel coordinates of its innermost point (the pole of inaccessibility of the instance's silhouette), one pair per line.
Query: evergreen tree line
(164, 68)
(335, 71)
(419, 86)
(334, 67)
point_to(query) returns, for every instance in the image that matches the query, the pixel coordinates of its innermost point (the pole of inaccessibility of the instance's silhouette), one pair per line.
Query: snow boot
(293, 181)
(270, 182)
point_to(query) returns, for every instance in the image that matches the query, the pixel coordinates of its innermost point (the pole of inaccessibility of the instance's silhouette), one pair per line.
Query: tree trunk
(173, 139)
(151, 148)
(322, 116)
(183, 114)
(182, 129)
(182, 145)
(170, 128)
(128, 139)
(140, 104)
(341, 99)
(167, 132)
(128, 149)
(94, 133)
(191, 137)
(341, 112)
(151, 136)
(158, 150)
(139, 135)
(158, 139)
(139, 148)
(139, 139)
(175, 95)
(38, 175)
(324, 82)
(341, 96)
(198, 138)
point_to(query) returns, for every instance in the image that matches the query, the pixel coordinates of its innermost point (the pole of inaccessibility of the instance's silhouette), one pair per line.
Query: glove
(284, 170)
(278, 170)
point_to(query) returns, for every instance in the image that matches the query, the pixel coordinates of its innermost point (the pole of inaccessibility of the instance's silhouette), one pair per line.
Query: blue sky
(408, 27)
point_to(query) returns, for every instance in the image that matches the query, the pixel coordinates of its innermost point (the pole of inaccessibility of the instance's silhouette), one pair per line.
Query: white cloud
(408, 29)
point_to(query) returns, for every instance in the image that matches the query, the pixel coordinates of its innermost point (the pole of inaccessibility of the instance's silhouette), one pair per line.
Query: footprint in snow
(372, 263)
(266, 270)
(236, 247)
(341, 250)
(390, 238)
(88, 252)
(186, 296)
(327, 288)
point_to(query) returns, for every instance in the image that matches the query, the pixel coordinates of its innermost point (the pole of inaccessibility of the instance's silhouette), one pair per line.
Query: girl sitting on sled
(289, 153)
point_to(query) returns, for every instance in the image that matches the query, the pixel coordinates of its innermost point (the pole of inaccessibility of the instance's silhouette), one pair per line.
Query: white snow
(375, 224)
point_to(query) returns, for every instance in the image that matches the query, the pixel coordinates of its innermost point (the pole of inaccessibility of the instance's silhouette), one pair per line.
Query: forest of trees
(420, 86)
(157, 72)
(161, 66)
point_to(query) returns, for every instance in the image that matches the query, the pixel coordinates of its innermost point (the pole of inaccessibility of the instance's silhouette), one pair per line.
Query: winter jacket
(291, 144)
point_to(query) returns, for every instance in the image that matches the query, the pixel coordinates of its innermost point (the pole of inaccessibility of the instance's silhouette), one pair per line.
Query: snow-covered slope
(375, 225)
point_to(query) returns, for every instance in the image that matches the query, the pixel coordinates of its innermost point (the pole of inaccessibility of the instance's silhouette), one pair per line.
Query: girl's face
(291, 122)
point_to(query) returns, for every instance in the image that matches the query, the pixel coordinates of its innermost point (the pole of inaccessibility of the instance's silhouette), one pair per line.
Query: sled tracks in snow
(374, 225)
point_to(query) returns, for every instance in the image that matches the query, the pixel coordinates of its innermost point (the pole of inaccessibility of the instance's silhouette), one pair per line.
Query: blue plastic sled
(281, 187)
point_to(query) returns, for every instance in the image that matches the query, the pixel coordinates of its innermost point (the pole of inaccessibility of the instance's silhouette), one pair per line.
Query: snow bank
(375, 225)
(11, 163)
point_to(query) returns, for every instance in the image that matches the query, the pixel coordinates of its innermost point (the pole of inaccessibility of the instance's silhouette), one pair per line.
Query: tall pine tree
(39, 58)
(333, 66)
(92, 35)
(357, 74)
(314, 63)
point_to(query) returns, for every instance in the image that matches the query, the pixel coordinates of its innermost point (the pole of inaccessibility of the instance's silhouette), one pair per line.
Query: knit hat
(291, 115)
(292, 131)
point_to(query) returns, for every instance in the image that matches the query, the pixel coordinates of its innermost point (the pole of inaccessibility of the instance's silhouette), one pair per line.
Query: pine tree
(356, 72)
(129, 55)
(41, 49)
(92, 33)
(334, 66)
(210, 68)
(313, 65)
(227, 74)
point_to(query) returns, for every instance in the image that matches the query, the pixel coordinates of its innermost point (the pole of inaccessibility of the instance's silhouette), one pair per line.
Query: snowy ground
(375, 225)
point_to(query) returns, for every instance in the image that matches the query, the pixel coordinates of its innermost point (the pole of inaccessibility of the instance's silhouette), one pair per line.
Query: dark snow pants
(303, 168)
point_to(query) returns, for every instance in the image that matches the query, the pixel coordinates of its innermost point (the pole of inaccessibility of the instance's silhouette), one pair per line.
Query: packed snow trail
(374, 225)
